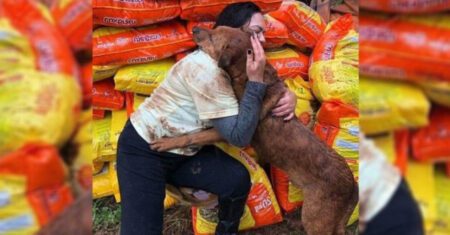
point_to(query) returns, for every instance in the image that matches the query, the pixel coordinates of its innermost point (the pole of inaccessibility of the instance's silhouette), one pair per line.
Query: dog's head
(224, 44)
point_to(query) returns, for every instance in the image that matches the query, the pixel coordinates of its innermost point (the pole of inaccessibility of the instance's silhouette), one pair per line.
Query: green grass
(177, 220)
(106, 216)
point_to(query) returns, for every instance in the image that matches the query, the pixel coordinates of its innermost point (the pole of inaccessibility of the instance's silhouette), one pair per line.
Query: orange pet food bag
(86, 84)
(402, 143)
(133, 100)
(114, 46)
(49, 202)
(134, 13)
(395, 146)
(208, 10)
(98, 113)
(74, 18)
(405, 48)
(289, 196)
(406, 6)
(276, 33)
(27, 171)
(105, 97)
(34, 161)
(288, 62)
(305, 26)
(431, 143)
(338, 125)
(52, 53)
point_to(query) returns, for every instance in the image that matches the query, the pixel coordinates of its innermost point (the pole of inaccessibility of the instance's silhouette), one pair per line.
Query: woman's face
(258, 25)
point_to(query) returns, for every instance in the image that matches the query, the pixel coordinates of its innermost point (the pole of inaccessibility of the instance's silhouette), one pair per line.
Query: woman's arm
(205, 137)
(238, 130)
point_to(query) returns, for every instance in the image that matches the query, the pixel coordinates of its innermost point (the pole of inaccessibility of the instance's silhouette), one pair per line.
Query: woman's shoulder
(197, 63)
(201, 58)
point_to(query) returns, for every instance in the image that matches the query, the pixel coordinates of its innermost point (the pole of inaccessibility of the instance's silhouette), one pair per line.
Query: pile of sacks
(134, 49)
(45, 158)
(405, 96)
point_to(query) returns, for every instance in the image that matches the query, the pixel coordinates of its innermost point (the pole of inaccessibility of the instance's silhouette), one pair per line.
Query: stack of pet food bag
(405, 96)
(45, 161)
(136, 43)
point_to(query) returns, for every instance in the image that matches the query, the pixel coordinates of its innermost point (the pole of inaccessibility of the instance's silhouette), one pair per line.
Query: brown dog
(330, 191)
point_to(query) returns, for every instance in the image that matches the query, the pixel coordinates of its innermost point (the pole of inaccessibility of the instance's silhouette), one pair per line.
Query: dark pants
(143, 175)
(401, 216)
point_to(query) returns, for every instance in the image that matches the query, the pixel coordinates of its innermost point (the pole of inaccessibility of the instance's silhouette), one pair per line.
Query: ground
(177, 220)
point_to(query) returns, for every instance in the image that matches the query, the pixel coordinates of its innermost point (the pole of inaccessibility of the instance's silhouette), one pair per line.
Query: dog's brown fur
(330, 191)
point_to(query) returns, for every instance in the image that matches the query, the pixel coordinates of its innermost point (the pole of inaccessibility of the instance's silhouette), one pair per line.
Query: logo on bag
(377, 33)
(313, 27)
(248, 159)
(299, 37)
(119, 21)
(147, 38)
(266, 203)
(75, 11)
(328, 51)
(141, 59)
(47, 58)
(294, 64)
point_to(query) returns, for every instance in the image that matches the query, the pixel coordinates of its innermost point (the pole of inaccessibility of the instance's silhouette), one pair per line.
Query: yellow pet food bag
(391, 105)
(421, 180)
(37, 106)
(142, 78)
(334, 71)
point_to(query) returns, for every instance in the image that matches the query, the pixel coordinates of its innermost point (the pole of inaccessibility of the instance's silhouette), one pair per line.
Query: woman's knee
(239, 180)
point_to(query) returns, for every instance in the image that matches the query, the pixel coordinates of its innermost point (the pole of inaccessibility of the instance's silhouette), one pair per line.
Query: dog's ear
(224, 60)
(200, 35)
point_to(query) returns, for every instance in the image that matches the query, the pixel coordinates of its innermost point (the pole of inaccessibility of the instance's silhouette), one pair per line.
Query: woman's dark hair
(237, 14)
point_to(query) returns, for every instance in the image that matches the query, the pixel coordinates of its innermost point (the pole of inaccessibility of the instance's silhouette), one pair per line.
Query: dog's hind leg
(318, 218)
(342, 223)
(350, 206)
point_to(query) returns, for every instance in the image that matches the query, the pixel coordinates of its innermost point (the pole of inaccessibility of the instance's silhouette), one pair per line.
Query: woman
(387, 205)
(189, 101)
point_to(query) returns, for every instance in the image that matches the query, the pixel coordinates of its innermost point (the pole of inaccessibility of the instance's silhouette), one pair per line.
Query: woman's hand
(286, 106)
(166, 144)
(256, 61)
